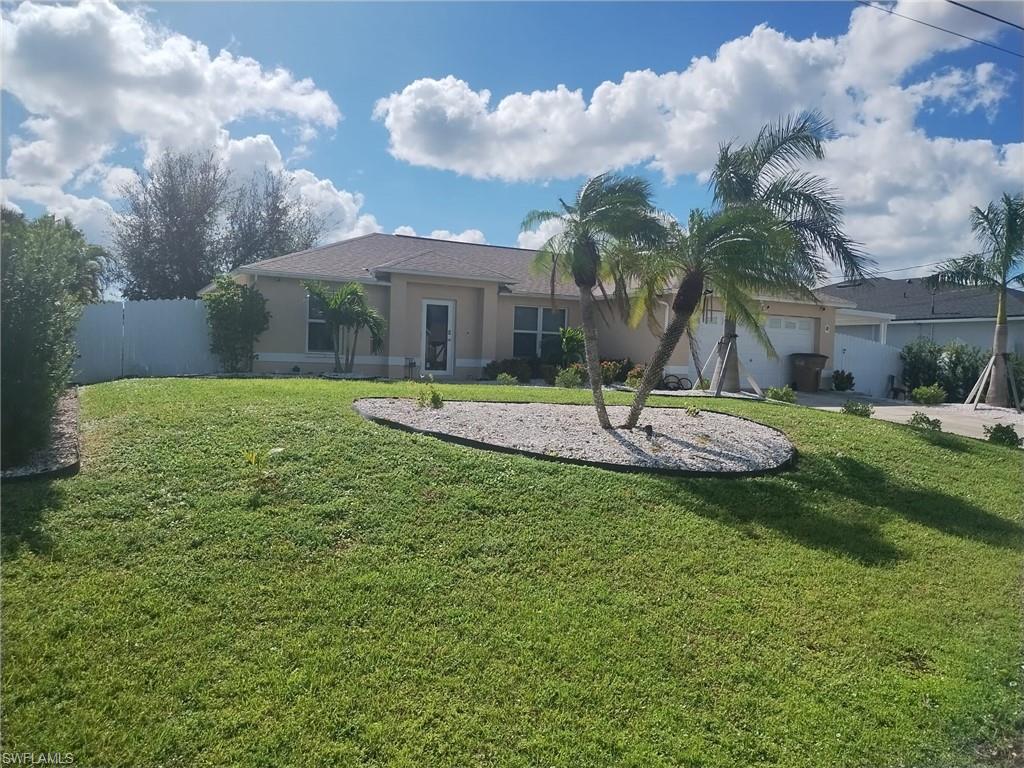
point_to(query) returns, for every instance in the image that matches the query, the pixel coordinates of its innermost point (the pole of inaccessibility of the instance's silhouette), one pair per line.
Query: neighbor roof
(913, 299)
(361, 258)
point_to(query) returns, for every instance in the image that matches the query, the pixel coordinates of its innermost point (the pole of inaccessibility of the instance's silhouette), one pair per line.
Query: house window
(318, 335)
(536, 331)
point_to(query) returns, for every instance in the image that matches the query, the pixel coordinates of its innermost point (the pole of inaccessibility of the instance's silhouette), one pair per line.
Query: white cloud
(535, 238)
(907, 193)
(466, 236)
(92, 74)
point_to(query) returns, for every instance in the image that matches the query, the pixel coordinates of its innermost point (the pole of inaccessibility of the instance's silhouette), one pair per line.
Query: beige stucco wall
(469, 328)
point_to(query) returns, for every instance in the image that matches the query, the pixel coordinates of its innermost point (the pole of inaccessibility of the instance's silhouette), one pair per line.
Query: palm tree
(736, 252)
(610, 212)
(347, 312)
(765, 173)
(999, 230)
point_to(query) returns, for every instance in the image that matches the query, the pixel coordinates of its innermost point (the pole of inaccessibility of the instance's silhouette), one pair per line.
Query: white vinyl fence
(870, 363)
(164, 337)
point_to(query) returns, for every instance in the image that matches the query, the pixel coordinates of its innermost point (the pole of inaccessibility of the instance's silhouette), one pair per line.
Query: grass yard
(379, 598)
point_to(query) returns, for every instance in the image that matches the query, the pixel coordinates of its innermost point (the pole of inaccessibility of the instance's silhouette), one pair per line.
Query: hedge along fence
(161, 337)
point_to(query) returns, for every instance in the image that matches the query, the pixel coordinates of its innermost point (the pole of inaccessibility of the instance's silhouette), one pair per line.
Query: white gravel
(707, 443)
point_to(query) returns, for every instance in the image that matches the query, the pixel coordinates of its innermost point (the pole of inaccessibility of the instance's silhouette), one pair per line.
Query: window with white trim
(536, 331)
(318, 335)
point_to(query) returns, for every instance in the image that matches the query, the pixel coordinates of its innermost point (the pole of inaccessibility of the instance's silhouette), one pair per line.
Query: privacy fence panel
(166, 337)
(870, 362)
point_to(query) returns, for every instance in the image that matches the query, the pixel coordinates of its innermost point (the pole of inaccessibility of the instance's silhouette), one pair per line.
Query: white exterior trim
(308, 276)
(450, 363)
(854, 314)
(930, 321)
(498, 278)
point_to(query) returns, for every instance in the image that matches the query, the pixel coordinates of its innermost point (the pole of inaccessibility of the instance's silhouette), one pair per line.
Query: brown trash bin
(806, 370)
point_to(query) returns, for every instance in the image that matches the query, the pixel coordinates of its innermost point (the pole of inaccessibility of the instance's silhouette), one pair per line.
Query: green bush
(570, 377)
(960, 365)
(857, 408)
(842, 381)
(237, 315)
(920, 363)
(43, 289)
(1002, 434)
(429, 397)
(610, 370)
(507, 379)
(920, 420)
(573, 346)
(783, 394)
(520, 367)
(933, 394)
(635, 376)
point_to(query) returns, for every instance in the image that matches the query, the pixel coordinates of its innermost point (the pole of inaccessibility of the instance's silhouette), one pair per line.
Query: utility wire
(982, 13)
(941, 29)
(896, 269)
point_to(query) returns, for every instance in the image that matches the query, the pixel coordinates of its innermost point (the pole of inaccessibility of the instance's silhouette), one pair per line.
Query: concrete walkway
(955, 417)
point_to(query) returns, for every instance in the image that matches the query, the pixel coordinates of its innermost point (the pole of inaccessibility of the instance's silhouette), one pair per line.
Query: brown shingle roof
(359, 257)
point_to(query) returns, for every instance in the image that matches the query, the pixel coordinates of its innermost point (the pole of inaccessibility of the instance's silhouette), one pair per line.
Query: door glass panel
(436, 351)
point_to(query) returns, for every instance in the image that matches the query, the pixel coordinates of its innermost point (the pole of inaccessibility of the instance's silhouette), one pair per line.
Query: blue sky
(356, 54)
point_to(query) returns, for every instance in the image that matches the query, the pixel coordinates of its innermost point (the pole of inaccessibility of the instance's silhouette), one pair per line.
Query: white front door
(437, 355)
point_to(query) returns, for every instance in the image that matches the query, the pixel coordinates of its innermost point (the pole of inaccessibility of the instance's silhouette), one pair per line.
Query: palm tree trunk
(592, 353)
(728, 368)
(998, 392)
(683, 306)
(352, 351)
(337, 349)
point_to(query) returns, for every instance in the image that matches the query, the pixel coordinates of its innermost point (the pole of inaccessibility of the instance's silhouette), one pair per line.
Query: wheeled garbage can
(806, 370)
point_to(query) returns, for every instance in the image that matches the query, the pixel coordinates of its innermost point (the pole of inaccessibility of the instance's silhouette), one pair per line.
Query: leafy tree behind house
(346, 313)
(237, 315)
(185, 222)
(48, 273)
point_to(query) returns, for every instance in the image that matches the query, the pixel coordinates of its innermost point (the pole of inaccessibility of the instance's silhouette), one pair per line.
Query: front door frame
(450, 369)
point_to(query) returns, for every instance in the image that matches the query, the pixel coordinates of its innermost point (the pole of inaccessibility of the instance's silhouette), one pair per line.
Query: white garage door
(788, 335)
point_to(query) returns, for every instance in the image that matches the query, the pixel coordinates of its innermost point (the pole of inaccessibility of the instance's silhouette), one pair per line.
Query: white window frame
(305, 330)
(540, 333)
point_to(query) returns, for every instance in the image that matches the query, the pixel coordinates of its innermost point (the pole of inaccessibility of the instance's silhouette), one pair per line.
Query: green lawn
(388, 599)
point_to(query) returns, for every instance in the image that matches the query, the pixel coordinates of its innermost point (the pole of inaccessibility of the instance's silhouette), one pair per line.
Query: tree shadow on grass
(24, 504)
(799, 505)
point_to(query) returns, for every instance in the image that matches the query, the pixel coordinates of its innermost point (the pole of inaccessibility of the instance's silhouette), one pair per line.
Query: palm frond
(787, 141)
(972, 270)
(742, 307)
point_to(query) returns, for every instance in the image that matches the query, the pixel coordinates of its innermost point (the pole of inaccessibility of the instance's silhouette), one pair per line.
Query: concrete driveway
(955, 417)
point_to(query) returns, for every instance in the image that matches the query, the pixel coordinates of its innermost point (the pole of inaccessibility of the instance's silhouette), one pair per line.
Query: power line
(896, 269)
(941, 29)
(982, 13)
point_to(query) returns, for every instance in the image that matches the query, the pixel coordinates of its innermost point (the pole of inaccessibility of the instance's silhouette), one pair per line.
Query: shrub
(519, 367)
(42, 296)
(856, 408)
(635, 376)
(610, 370)
(1002, 434)
(959, 367)
(507, 378)
(573, 345)
(692, 410)
(842, 381)
(429, 397)
(548, 373)
(933, 394)
(570, 377)
(783, 394)
(920, 420)
(237, 315)
(920, 362)
(1017, 369)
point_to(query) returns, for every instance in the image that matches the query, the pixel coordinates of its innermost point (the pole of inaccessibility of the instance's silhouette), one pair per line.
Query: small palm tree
(347, 312)
(999, 230)
(610, 212)
(736, 252)
(764, 173)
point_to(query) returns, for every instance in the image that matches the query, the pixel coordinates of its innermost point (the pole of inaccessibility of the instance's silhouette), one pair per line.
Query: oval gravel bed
(708, 444)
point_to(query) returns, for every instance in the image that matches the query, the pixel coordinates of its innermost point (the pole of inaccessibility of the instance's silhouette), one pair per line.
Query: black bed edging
(626, 468)
(54, 471)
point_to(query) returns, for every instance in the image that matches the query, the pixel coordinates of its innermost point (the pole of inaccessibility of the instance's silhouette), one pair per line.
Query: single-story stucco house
(452, 307)
(897, 311)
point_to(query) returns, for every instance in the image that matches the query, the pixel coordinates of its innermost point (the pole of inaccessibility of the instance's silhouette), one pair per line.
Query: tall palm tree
(765, 173)
(609, 212)
(347, 312)
(999, 230)
(736, 252)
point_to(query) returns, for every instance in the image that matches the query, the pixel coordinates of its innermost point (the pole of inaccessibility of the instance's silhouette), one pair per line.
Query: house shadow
(783, 503)
(24, 504)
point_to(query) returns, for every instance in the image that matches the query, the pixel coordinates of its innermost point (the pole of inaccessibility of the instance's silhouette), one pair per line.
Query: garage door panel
(788, 335)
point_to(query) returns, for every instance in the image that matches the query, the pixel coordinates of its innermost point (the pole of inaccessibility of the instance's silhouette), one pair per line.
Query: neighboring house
(452, 307)
(897, 311)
